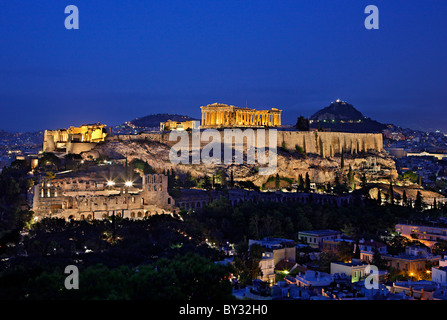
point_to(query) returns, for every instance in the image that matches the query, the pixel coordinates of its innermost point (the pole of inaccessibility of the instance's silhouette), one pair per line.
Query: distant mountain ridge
(153, 120)
(342, 116)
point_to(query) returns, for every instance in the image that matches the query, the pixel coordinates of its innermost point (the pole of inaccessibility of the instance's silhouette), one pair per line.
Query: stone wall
(79, 147)
(325, 144)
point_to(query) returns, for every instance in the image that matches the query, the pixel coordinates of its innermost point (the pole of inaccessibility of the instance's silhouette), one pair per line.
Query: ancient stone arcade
(79, 199)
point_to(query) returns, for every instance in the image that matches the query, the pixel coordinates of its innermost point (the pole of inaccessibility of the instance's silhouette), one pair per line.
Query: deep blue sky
(133, 58)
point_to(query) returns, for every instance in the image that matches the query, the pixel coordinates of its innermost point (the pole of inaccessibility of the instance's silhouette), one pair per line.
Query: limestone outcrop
(378, 166)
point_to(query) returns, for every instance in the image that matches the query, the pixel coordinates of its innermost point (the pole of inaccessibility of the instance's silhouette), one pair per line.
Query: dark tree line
(183, 277)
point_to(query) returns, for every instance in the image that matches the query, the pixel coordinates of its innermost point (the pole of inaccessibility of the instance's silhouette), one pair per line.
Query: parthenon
(218, 115)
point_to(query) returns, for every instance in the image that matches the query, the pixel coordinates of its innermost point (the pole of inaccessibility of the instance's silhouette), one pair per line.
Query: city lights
(242, 191)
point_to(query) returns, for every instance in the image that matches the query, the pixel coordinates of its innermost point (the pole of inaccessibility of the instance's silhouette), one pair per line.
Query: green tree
(404, 198)
(397, 244)
(391, 192)
(410, 176)
(300, 182)
(300, 150)
(440, 247)
(325, 259)
(206, 183)
(351, 178)
(142, 166)
(345, 251)
(49, 158)
(349, 230)
(307, 182)
(302, 124)
(340, 188)
(378, 261)
(419, 202)
(247, 261)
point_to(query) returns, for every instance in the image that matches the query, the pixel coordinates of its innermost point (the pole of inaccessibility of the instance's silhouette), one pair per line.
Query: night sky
(138, 57)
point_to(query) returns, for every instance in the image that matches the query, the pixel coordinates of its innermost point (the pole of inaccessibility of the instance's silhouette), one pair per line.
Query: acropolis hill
(326, 144)
(317, 153)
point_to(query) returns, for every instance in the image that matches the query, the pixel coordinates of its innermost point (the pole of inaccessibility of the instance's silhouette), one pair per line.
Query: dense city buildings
(89, 174)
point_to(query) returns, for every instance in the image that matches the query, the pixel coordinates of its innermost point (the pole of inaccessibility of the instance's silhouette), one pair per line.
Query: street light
(110, 183)
(128, 184)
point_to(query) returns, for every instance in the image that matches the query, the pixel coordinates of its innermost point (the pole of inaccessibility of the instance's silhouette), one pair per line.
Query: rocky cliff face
(290, 164)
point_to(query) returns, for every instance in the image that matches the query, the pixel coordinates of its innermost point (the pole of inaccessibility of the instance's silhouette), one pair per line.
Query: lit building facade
(179, 125)
(219, 115)
(74, 139)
